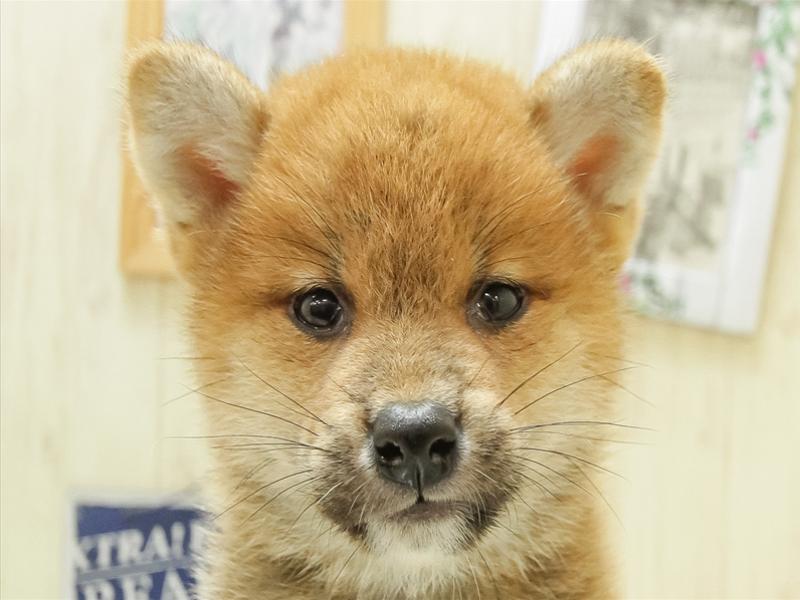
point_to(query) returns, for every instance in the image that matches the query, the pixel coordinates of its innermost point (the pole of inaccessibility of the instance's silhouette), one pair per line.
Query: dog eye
(318, 310)
(497, 303)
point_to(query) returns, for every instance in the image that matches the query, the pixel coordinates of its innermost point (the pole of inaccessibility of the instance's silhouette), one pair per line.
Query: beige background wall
(712, 507)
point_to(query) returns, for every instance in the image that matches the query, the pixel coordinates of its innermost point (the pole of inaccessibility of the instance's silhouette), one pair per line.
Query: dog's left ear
(599, 110)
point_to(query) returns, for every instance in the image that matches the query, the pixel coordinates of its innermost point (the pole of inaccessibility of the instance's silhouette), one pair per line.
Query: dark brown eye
(319, 311)
(498, 303)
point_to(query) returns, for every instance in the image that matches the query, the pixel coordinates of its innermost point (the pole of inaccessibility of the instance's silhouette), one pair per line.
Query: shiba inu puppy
(403, 271)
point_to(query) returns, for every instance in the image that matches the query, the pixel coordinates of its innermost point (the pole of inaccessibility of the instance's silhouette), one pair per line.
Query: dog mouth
(428, 510)
(472, 520)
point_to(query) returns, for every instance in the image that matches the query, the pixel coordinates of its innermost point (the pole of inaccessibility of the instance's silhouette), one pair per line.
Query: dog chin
(414, 537)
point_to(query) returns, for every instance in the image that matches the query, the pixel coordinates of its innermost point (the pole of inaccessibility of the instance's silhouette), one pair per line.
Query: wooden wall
(711, 507)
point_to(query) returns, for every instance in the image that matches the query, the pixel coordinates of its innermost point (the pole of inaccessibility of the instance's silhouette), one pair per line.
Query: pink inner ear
(206, 177)
(591, 167)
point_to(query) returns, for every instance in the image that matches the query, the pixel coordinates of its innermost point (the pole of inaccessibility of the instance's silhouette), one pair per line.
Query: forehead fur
(403, 176)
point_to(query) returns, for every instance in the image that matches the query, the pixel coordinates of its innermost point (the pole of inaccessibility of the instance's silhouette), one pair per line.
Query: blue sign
(136, 552)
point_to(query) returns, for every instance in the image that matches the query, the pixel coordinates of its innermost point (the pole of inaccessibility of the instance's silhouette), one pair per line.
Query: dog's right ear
(196, 126)
(599, 109)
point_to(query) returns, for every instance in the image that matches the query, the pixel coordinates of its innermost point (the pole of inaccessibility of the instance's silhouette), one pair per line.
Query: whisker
(491, 574)
(513, 505)
(259, 490)
(592, 439)
(519, 496)
(347, 393)
(474, 578)
(195, 390)
(319, 500)
(572, 456)
(536, 374)
(473, 498)
(252, 472)
(257, 411)
(270, 446)
(279, 494)
(566, 385)
(479, 496)
(492, 480)
(341, 571)
(478, 372)
(624, 360)
(506, 528)
(245, 435)
(628, 391)
(524, 428)
(356, 496)
(363, 509)
(605, 500)
(546, 478)
(556, 472)
(538, 484)
(275, 389)
(324, 531)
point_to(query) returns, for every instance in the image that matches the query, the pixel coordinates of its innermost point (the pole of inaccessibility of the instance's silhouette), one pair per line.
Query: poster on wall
(133, 550)
(702, 254)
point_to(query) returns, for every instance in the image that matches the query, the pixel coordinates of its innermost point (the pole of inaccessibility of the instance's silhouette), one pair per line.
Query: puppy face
(403, 270)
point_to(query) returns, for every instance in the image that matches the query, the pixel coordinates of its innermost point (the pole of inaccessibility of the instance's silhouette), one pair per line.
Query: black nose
(415, 444)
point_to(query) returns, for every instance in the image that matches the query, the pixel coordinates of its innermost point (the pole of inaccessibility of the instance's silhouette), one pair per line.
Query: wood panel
(80, 379)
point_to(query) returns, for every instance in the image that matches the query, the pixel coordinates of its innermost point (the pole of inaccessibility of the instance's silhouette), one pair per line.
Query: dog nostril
(390, 453)
(415, 444)
(441, 449)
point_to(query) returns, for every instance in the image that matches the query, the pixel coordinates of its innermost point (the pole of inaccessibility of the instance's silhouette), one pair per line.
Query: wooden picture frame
(143, 248)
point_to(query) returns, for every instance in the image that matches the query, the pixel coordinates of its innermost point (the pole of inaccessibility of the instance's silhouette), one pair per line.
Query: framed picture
(264, 38)
(702, 253)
